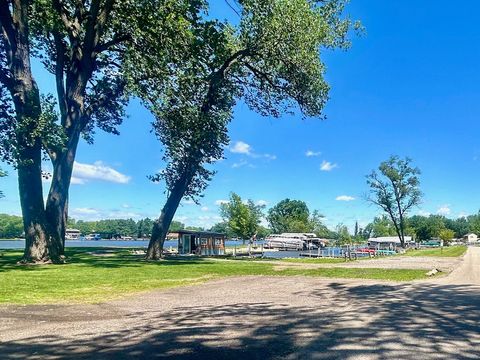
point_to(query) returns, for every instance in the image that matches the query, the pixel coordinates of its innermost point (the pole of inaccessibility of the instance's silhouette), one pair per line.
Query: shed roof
(199, 233)
(389, 239)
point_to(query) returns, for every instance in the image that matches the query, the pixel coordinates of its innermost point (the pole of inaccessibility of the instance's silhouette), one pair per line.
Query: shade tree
(269, 59)
(394, 188)
(92, 49)
(242, 217)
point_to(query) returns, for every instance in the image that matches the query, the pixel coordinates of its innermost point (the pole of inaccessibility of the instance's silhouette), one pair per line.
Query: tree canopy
(95, 50)
(289, 216)
(395, 189)
(243, 218)
(269, 60)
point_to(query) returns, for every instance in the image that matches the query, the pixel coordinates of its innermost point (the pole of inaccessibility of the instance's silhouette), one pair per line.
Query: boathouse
(388, 242)
(200, 242)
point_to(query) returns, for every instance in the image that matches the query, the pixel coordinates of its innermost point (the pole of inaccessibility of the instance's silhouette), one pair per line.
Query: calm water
(19, 244)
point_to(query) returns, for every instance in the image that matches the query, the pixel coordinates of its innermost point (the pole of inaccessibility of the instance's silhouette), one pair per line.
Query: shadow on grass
(370, 321)
(94, 257)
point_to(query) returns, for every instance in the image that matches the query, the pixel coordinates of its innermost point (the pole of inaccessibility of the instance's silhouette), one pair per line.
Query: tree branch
(59, 75)
(95, 25)
(8, 38)
(71, 26)
(219, 75)
(6, 22)
(117, 39)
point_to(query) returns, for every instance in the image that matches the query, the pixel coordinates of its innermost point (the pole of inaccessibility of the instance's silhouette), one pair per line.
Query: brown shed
(200, 242)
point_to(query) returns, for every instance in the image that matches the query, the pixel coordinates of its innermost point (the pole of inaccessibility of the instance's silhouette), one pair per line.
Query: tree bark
(39, 247)
(57, 201)
(162, 224)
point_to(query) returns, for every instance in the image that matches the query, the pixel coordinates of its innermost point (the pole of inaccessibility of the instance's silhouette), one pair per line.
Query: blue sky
(410, 86)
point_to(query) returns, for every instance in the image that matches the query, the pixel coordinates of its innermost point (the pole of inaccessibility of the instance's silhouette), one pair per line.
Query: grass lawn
(449, 251)
(89, 278)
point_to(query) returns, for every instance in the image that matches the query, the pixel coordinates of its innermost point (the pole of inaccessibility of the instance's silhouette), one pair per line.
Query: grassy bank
(450, 251)
(92, 278)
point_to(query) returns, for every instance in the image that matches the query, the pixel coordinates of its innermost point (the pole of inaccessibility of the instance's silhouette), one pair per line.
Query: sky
(409, 86)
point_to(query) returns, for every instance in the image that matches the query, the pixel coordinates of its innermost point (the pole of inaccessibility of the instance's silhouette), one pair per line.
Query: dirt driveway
(262, 318)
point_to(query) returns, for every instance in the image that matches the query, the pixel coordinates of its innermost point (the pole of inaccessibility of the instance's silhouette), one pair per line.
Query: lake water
(20, 244)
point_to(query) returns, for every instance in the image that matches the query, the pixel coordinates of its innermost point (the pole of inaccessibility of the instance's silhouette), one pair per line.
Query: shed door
(186, 244)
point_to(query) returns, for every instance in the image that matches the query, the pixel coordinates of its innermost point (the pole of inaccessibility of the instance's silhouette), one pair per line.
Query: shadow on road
(411, 321)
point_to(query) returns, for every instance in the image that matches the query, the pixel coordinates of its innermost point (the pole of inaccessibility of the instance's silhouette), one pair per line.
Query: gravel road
(262, 318)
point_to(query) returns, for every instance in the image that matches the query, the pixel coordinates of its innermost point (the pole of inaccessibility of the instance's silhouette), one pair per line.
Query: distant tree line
(11, 226)
(425, 227)
(422, 228)
(121, 227)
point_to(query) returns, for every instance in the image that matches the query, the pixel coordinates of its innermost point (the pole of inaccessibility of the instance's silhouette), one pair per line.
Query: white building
(470, 238)
(72, 234)
(386, 242)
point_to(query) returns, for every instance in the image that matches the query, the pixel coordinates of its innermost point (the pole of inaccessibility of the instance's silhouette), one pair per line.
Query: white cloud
(423, 213)
(85, 211)
(311, 153)
(239, 164)
(205, 221)
(344, 198)
(188, 202)
(76, 181)
(241, 147)
(262, 202)
(204, 208)
(327, 166)
(220, 202)
(97, 171)
(444, 210)
(118, 214)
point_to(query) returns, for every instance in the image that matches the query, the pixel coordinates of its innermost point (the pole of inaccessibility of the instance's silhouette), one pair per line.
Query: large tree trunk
(26, 98)
(162, 224)
(57, 201)
(38, 245)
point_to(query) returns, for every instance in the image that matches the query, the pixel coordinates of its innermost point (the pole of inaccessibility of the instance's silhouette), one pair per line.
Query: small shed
(470, 238)
(388, 242)
(200, 242)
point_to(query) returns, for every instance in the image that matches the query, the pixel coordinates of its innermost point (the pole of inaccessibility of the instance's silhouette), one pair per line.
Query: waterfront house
(470, 238)
(199, 242)
(72, 234)
(388, 242)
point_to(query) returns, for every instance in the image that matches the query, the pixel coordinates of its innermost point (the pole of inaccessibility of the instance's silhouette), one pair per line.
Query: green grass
(361, 273)
(91, 279)
(449, 251)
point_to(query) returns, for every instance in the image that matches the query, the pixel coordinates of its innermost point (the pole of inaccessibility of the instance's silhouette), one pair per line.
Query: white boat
(72, 234)
(293, 241)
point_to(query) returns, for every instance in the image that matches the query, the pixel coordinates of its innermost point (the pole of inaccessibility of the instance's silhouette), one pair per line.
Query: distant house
(388, 242)
(470, 238)
(72, 234)
(199, 242)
